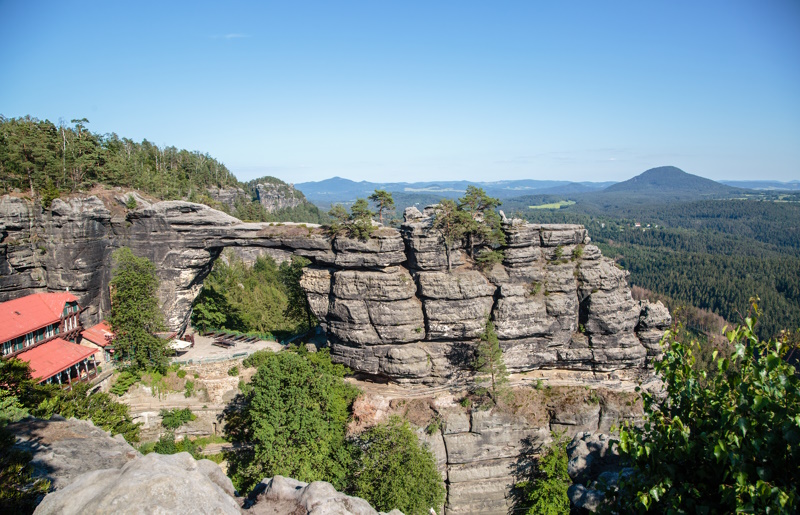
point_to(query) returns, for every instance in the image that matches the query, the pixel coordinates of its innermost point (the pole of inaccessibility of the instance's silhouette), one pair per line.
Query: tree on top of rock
(451, 223)
(358, 224)
(384, 201)
(484, 222)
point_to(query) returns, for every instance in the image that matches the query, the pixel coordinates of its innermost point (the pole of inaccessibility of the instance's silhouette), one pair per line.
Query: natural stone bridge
(389, 305)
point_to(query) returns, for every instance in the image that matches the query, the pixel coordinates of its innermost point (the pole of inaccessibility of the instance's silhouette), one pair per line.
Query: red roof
(54, 356)
(25, 314)
(99, 334)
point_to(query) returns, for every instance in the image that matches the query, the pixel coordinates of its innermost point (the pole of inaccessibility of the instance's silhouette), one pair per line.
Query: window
(7, 348)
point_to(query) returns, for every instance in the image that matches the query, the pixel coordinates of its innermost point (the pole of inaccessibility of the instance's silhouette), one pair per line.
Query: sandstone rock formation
(64, 449)
(593, 463)
(228, 196)
(91, 472)
(278, 196)
(278, 495)
(389, 304)
(481, 453)
(154, 483)
(555, 302)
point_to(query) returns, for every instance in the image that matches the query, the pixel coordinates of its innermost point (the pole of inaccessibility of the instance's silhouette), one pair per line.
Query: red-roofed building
(36, 319)
(61, 362)
(99, 337)
(36, 328)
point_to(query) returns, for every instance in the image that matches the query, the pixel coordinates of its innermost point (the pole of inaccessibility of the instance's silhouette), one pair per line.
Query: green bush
(175, 418)
(545, 492)
(124, 381)
(293, 416)
(233, 371)
(395, 471)
(181, 374)
(720, 441)
(188, 389)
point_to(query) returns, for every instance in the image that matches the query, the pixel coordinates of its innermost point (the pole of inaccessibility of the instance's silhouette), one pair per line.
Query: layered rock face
(277, 196)
(228, 196)
(389, 304)
(392, 309)
(482, 453)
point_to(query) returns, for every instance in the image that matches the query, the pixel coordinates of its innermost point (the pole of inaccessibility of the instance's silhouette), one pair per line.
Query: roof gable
(26, 314)
(53, 357)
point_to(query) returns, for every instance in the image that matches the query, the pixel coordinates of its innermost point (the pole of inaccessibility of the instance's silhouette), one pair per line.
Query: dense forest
(45, 160)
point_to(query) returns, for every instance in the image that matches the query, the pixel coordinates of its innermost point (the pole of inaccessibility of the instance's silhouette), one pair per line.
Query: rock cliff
(389, 305)
(392, 309)
(278, 196)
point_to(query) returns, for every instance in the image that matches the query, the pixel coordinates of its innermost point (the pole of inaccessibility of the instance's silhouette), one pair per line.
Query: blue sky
(406, 91)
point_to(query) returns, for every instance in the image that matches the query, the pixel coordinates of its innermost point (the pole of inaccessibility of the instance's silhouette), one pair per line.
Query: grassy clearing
(554, 205)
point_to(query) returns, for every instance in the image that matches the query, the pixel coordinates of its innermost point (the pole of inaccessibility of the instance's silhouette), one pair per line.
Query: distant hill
(764, 185)
(339, 190)
(672, 182)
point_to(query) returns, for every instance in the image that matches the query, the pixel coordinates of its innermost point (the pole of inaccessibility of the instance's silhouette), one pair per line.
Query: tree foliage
(452, 224)
(395, 471)
(483, 221)
(176, 417)
(720, 441)
(135, 316)
(357, 224)
(473, 218)
(383, 201)
(293, 418)
(264, 297)
(545, 492)
(489, 363)
(38, 155)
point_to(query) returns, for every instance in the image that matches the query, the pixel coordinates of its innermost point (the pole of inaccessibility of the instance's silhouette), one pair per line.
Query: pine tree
(385, 202)
(489, 362)
(135, 315)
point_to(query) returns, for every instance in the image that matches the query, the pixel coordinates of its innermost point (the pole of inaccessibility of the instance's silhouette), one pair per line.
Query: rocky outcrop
(228, 196)
(280, 494)
(594, 464)
(64, 449)
(154, 483)
(556, 302)
(278, 196)
(482, 452)
(91, 472)
(389, 304)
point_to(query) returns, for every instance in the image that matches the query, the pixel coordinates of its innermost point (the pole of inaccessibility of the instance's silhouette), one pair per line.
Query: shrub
(175, 418)
(720, 441)
(123, 383)
(233, 371)
(545, 492)
(293, 416)
(181, 374)
(395, 471)
(487, 258)
(188, 389)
